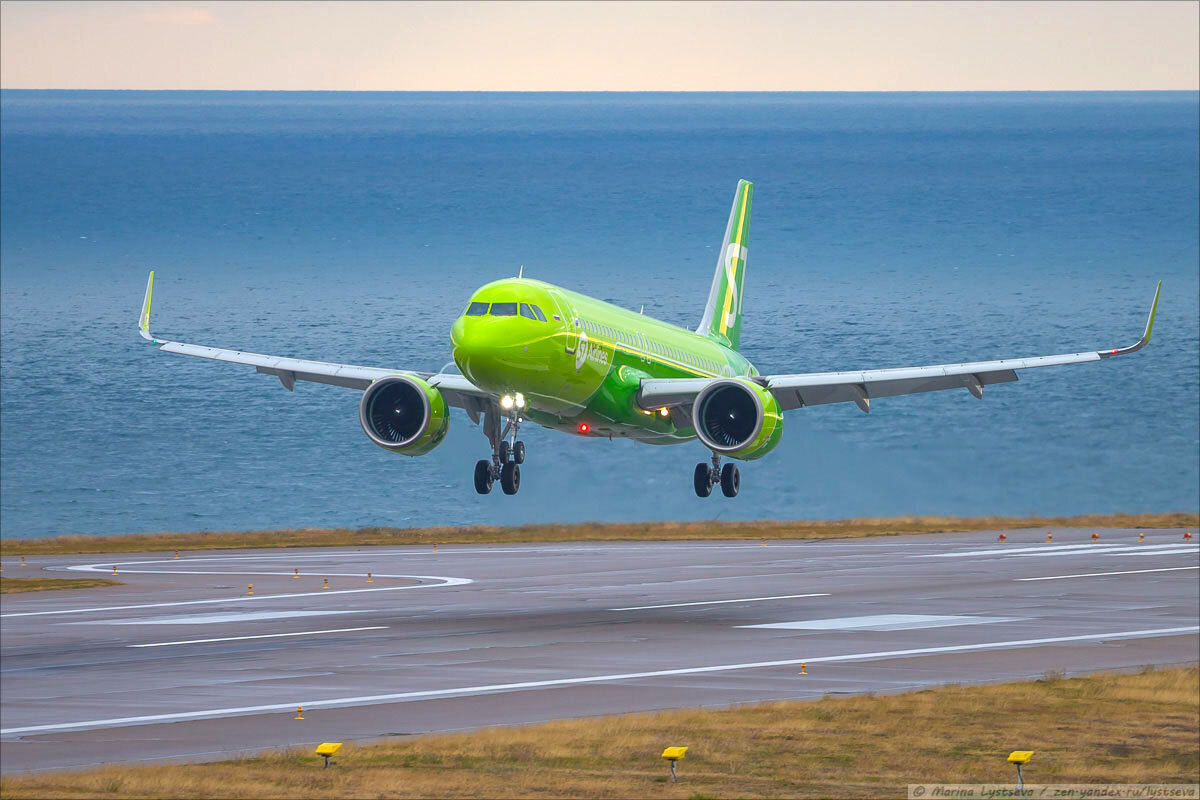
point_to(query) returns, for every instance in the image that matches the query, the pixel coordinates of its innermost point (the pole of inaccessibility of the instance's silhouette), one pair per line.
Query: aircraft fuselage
(580, 369)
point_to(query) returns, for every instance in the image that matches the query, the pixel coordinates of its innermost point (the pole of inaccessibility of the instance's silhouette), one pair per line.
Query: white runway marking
(253, 597)
(718, 602)
(212, 619)
(1099, 574)
(1162, 550)
(523, 685)
(881, 622)
(261, 636)
(1050, 550)
(1046, 548)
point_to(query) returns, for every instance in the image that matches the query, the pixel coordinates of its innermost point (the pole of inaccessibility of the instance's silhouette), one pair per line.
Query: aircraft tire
(510, 478)
(731, 480)
(701, 482)
(518, 452)
(483, 476)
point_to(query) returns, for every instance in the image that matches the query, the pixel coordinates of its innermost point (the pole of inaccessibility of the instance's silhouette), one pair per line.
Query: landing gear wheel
(502, 450)
(701, 480)
(731, 480)
(510, 478)
(518, 452)
(483, 476)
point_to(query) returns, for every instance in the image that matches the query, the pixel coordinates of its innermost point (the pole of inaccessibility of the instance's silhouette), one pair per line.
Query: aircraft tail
(723, 315)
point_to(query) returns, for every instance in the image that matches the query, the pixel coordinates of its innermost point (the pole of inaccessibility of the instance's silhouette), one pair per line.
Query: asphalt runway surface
(182, 662)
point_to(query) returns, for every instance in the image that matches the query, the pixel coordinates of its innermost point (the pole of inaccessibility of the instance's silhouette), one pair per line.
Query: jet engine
(404, 414)
(737, 418)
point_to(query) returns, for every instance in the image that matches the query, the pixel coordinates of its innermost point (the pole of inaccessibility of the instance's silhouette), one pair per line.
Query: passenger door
(572, 324)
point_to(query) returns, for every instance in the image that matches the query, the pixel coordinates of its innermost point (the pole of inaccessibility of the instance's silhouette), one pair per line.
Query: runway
(184, 662)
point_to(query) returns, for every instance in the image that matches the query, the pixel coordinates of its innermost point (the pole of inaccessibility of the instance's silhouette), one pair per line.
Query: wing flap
(856, 387)
(348, 375)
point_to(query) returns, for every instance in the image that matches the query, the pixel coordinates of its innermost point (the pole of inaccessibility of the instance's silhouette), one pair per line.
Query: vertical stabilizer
(723, 315)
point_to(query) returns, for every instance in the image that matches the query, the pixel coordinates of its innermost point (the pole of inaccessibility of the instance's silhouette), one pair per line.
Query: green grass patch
(575, 532)
(14, 585)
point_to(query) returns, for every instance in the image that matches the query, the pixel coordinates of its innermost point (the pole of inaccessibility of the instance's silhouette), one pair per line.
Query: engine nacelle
(737, 418)
(404, 414)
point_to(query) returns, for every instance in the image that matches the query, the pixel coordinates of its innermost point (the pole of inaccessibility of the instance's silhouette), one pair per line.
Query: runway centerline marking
(254, 597)
(719, 602)
(260, 636)
(522, 685)
(1099, 574)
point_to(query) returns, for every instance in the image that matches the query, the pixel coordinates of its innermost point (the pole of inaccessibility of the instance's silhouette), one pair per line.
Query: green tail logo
(723, 315)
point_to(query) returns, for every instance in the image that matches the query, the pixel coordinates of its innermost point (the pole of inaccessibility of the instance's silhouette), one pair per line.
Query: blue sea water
(888, 230)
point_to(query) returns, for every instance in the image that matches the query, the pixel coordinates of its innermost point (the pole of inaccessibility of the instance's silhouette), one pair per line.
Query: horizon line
(607, 91)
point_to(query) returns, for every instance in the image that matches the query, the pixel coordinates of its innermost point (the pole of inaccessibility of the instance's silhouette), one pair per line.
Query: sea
(889, 229)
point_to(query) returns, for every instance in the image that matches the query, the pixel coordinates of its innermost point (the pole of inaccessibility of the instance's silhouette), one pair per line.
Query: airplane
(530, 350)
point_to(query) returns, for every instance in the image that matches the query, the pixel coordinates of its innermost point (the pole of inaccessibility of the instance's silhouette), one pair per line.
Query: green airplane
(529, 350)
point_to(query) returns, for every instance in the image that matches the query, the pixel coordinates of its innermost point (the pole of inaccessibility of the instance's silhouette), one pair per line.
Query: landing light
(520, 400)
(506, 402)
(663, 412)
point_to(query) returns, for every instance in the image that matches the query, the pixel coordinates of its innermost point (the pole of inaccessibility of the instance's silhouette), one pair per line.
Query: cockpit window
(541, 317)
(477, 309)
(526, 311)
(504, 309)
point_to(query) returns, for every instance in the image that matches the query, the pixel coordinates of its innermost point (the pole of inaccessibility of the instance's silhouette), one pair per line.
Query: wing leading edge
(860, 387)
(457, 390)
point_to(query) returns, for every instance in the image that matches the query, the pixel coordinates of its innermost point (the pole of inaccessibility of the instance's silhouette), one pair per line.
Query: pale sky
(618, 46)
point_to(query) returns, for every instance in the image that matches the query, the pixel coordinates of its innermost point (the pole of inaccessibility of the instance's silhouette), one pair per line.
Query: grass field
(13, 585)
(577, 532)
(1109, 728)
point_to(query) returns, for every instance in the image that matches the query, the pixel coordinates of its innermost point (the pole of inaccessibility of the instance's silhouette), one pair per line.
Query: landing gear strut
(508, 453)
(707, 476)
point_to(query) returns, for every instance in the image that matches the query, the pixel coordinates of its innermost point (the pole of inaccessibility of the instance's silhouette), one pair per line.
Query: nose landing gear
(508, 453)
(706, 477)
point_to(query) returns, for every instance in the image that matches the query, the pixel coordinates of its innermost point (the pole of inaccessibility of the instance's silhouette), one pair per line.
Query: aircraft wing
(457, 390)
(860, 387)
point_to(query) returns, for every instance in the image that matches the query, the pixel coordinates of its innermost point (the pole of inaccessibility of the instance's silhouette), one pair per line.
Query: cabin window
(527, 312)
(504, 309)
(541, 317)
(477, 309)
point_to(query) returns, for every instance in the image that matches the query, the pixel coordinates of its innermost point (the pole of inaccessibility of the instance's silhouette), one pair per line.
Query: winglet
(144, 319)
(1145, 340)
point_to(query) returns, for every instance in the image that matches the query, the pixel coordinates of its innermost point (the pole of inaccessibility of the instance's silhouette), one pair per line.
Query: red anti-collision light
(583, 427)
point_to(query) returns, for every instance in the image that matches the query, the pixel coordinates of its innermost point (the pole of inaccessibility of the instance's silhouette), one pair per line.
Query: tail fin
(723, 315)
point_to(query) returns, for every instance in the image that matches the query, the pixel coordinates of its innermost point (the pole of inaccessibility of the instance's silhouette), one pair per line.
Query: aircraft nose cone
(457, 331)
(469, 347)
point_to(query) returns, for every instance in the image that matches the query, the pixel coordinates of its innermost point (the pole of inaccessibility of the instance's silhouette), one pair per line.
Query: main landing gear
(508, 453)
(706, 477)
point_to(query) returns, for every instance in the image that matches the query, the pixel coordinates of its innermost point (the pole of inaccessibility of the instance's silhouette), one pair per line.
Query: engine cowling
(404, 414)
(737, 418)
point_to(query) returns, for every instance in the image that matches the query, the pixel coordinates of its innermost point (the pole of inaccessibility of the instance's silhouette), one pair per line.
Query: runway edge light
(327, 749)
(674, 754)
(1020, 757)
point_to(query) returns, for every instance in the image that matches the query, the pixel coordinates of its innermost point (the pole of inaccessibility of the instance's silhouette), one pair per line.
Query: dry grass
(1099, 729)
(576, 532)
(13, 585)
